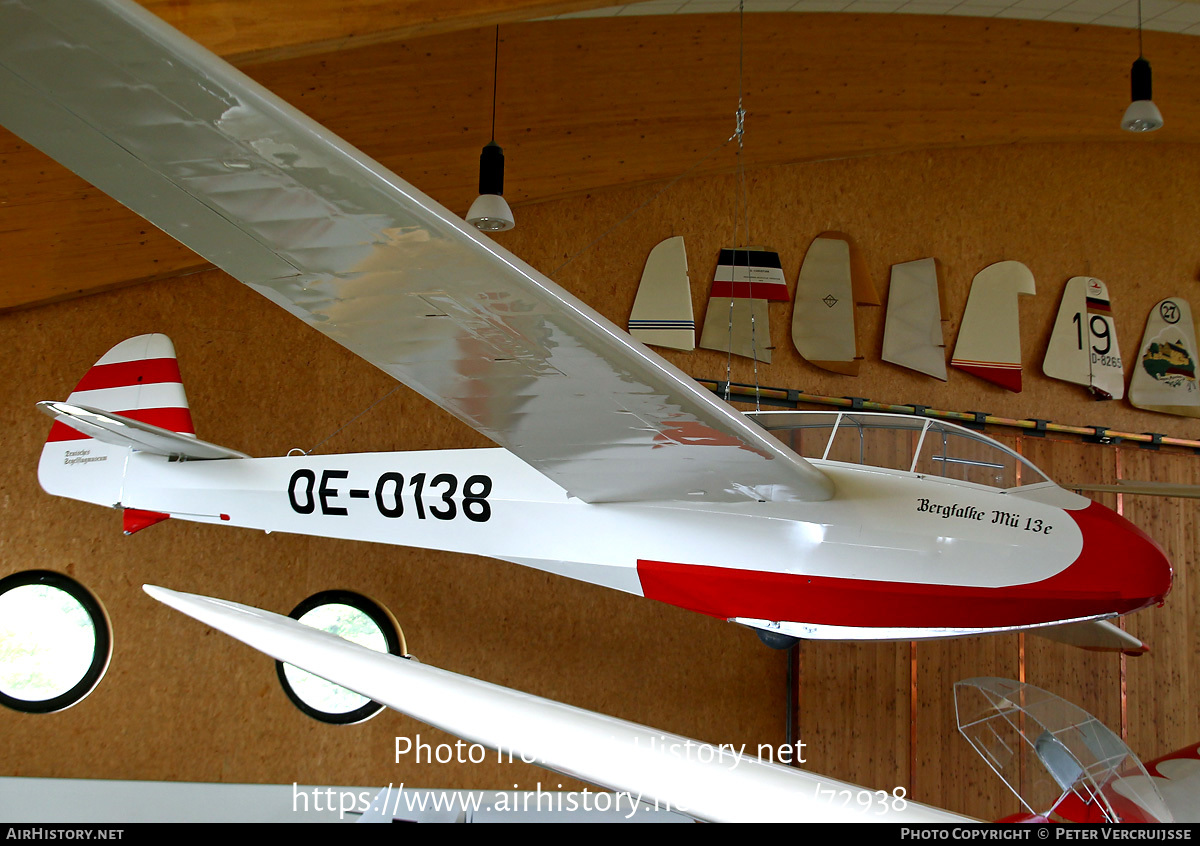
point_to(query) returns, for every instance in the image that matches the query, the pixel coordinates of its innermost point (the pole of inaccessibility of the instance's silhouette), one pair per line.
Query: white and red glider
(614, 467)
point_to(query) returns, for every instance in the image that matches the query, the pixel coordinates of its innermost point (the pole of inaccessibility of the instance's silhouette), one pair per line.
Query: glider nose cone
(1126, 563)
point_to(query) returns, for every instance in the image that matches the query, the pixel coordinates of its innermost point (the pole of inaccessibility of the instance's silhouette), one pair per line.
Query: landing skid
(776, 640)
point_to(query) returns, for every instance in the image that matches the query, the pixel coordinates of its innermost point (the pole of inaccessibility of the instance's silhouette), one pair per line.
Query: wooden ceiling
(267, 30)
(589, 104)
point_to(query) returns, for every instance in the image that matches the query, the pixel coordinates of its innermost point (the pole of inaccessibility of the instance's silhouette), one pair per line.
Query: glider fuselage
(924, 556)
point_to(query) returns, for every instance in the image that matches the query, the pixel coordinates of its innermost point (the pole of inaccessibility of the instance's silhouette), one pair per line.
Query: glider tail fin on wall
(138, 381)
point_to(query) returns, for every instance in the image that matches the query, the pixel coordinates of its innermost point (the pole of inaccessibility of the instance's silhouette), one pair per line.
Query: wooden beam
(269, 30)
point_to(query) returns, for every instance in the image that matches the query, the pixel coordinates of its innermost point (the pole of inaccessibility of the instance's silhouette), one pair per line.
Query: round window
(357, 619)
(55, 641)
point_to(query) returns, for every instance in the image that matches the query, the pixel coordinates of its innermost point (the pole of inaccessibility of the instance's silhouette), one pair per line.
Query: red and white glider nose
(1118, 561)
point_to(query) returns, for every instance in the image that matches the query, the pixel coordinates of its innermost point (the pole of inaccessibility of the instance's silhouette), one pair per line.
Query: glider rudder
(138, 379)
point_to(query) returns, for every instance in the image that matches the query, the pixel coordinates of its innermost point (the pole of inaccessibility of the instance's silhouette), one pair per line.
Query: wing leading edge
(616, 754)
(281, 204)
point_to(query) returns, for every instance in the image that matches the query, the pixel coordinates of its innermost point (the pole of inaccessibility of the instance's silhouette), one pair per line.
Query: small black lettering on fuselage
(964, 512)
(1010, 519)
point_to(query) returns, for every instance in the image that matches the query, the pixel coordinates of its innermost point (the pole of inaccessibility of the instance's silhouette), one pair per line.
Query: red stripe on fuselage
(1119, 570)
(175, 419)
(122, 374)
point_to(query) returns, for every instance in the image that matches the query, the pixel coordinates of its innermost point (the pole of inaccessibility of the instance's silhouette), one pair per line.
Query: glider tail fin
(138, 380)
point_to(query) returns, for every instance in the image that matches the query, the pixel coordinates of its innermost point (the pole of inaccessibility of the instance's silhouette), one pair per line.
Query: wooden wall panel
(948, 771)
(1165, 685)
(855, 712)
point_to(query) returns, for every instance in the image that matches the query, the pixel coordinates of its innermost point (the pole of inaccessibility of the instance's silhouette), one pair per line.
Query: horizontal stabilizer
(124, 432)
(1096, 635)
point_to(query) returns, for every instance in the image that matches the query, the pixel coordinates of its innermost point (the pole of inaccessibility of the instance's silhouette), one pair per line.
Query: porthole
(55, 641)
(358, 619)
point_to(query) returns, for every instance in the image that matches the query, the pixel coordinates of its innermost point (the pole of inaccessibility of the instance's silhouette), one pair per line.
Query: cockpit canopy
(901, 442)
(1061, 762)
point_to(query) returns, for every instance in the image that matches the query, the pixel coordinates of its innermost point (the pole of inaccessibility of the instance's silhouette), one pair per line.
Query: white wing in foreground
(278, 202)
(615, 754)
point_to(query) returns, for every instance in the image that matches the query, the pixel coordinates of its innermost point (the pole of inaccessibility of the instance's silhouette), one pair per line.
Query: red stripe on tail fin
(175, 419)
(121, 374)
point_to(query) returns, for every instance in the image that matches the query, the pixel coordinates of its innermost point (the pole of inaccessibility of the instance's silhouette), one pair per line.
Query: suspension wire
(745, 192)
(741, 209)
(495, 81)
(334, 434)
(739, 129)
(1140, 53)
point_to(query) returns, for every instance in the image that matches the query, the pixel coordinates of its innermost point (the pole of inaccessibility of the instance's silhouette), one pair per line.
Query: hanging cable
(495, 80)
(741, 209)
(1140, 51)
(335, 432)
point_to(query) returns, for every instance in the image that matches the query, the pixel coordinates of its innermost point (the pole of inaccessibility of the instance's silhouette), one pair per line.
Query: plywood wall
(181, 702)
(1121, 213)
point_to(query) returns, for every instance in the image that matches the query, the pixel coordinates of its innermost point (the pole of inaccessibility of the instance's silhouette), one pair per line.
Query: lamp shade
(490, 213)
(1142, 115)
